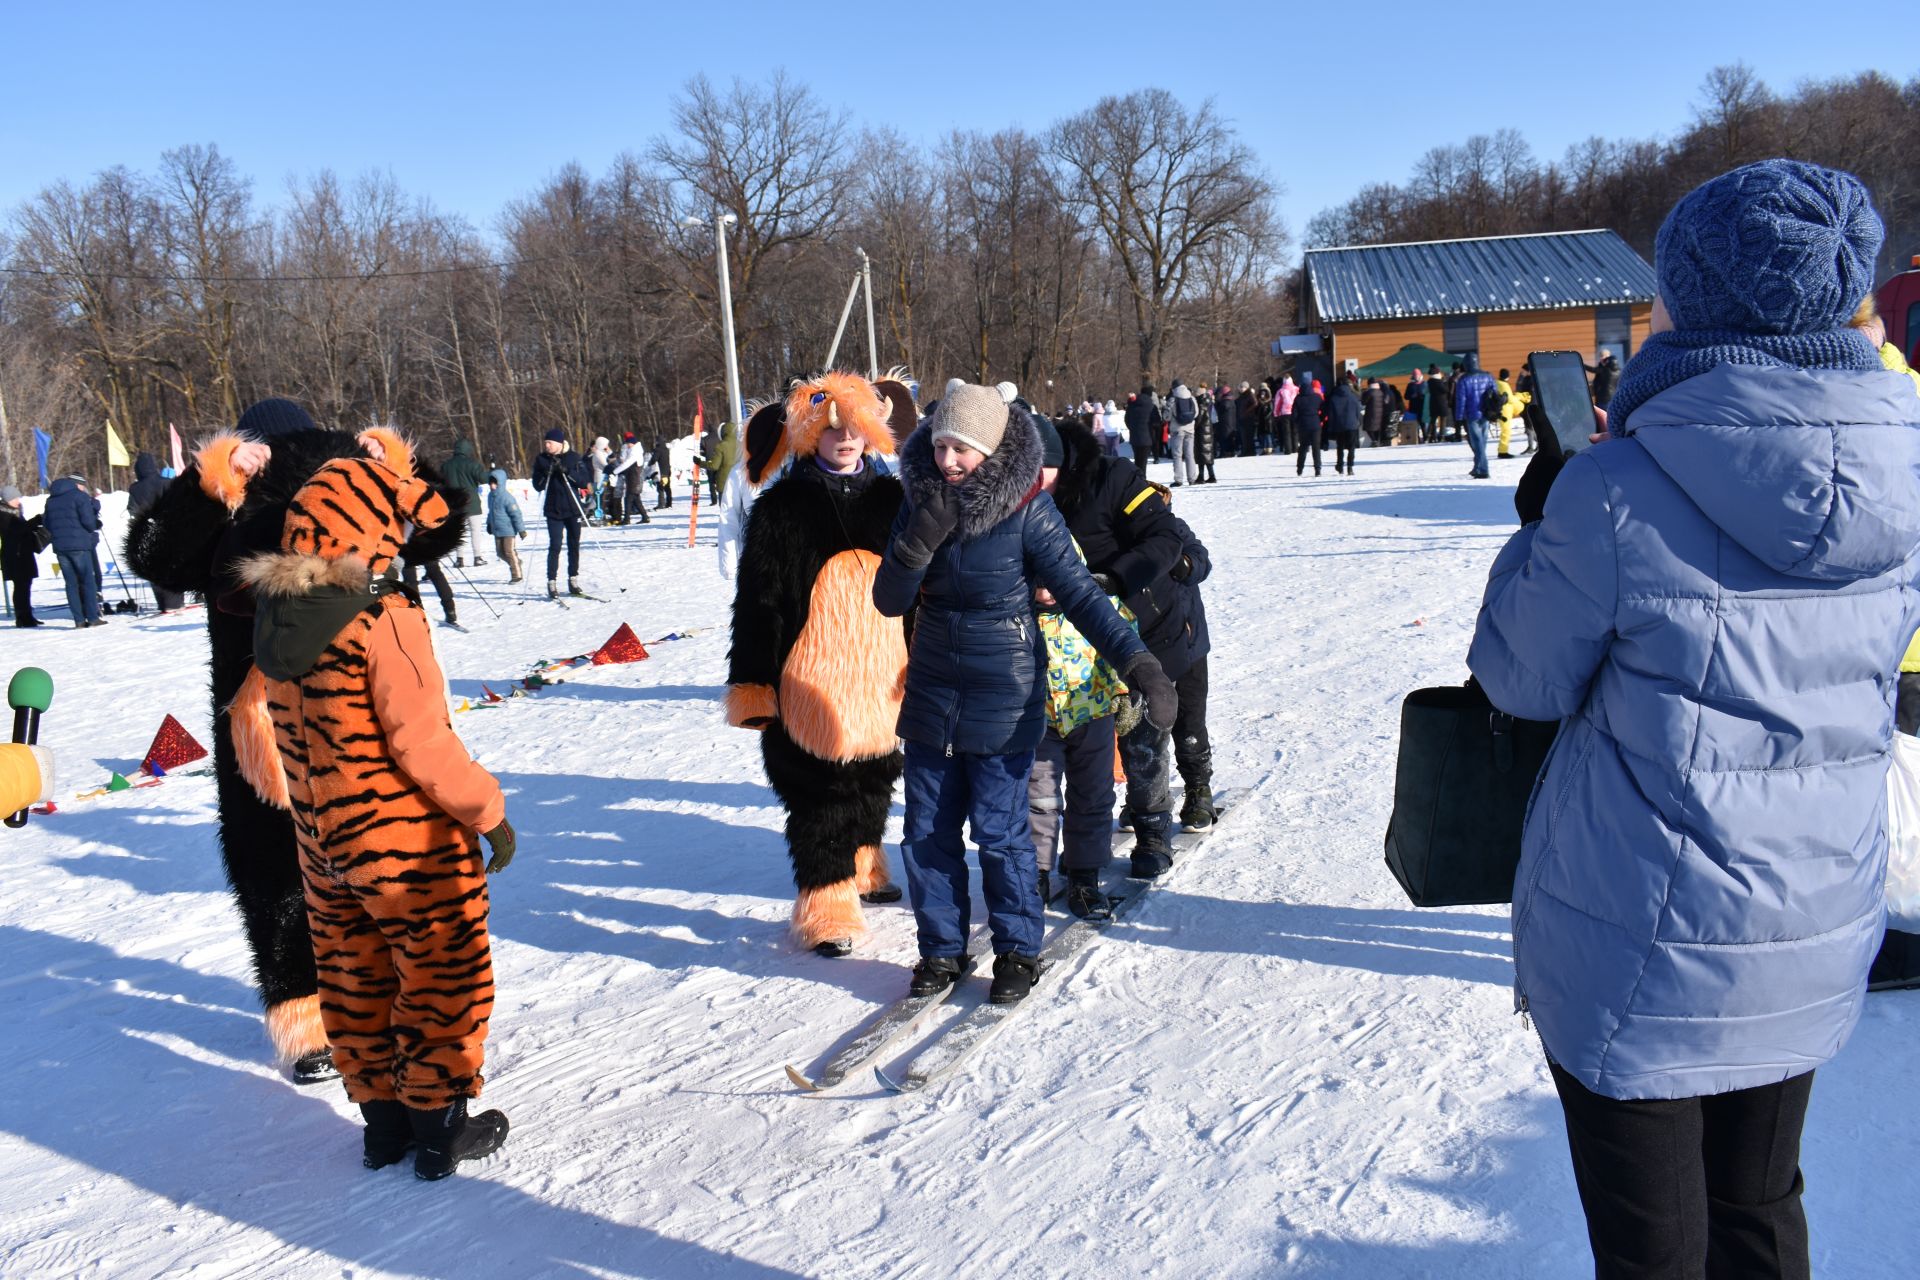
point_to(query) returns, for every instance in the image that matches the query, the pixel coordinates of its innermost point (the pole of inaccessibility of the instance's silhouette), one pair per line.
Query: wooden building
(1500, 297)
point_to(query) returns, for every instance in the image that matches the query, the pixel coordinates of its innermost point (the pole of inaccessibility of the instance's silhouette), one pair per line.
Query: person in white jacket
(630, 474)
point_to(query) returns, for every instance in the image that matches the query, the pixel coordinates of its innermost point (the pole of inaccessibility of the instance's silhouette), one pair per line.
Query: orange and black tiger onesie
(813, 664)
(386, 801)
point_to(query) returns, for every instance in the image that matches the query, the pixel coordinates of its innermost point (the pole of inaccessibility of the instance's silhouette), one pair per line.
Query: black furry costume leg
(258, 852)
(832, 809)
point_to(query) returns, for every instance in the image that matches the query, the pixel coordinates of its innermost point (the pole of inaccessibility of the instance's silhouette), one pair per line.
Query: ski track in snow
(1276, 1067)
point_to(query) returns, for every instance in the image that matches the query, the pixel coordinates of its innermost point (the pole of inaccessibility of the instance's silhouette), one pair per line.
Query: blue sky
(473, 104)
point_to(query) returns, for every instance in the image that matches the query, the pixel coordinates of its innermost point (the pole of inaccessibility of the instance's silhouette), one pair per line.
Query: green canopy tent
(1406, 360)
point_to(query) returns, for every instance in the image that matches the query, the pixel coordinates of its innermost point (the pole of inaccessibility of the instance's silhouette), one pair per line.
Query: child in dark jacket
(974, 540)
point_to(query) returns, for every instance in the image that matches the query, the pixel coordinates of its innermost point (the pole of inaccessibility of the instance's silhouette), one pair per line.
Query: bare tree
(1161, 184)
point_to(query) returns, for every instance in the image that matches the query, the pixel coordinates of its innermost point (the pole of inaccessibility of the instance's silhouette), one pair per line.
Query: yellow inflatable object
(26, 776)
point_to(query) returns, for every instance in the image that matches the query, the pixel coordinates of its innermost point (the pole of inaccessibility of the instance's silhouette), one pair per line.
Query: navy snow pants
(989, 794)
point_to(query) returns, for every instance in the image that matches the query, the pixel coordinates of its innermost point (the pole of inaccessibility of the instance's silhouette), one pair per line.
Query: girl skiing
(974, 539)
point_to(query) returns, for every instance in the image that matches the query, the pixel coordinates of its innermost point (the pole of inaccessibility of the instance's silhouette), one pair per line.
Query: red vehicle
(1899, 304)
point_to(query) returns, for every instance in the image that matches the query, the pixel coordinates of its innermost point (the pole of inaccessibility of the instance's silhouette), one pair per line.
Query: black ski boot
(553, 589)
(1152, 851)
(1013, 976)
(388, 1136)
(313, 1068)
(1197, 812)
(573, 587)
(449, 1135)
(935, 974)
(1084, 898)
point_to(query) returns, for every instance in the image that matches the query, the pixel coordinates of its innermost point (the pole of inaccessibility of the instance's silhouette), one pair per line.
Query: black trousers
(437, 577)
(1693, 1187)
(1147, 753)
(1308, 438)
(22, 602)
(1343, 443)
(1142, 454)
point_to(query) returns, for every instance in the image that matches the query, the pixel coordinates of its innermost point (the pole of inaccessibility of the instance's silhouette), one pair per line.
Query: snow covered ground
(1276, 1068)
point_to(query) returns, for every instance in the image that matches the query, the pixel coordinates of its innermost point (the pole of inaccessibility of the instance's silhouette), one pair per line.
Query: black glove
(932, 520)
(1183, 570)
(1530, 497)
(1145, 677)
(1108, 583)
(501, 840)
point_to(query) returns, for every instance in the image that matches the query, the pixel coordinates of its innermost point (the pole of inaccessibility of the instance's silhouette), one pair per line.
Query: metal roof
(1474, 277)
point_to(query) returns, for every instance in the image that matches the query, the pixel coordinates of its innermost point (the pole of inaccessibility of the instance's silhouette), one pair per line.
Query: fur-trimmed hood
(1004, 481)
(293, 573)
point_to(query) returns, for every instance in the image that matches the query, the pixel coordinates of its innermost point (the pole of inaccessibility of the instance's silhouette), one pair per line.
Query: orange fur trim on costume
(251, 724)
(294, 1028)
(747, 703)
(219, 479)
(870, 868)
(838, 400)
(396, 452)
(825, 914)
(841, 689)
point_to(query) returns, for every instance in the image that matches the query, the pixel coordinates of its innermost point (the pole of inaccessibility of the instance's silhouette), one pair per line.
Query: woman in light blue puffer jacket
(1715, 602)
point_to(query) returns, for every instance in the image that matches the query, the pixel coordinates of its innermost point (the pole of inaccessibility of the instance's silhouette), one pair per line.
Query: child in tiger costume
(229, 503)
(814, 666)
(386, 803)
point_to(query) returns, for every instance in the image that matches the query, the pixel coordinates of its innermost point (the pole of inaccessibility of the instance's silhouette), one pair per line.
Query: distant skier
(563, 477)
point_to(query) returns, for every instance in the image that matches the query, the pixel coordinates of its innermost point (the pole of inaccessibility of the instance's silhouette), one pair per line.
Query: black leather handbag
(1460, 792)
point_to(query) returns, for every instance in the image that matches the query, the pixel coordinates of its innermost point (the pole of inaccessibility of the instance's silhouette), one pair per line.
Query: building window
(1613, 331)
(1460, 334)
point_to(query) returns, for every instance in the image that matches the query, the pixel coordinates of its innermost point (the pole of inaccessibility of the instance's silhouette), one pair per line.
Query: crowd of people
(987, 605)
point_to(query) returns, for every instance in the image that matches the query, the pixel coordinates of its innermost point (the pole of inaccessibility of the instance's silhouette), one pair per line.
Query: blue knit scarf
(1668, 359)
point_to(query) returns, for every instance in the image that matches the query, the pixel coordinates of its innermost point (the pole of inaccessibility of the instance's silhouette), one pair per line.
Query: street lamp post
(721, 221)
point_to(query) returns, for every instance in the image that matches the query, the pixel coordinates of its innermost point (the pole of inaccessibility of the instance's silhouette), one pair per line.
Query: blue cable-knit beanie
(1775, 247)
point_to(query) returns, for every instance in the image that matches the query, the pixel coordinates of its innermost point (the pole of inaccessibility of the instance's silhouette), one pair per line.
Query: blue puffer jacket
(1718, 604)
(976, 671)
(1469, 389)
(72, 516)
(503, 510)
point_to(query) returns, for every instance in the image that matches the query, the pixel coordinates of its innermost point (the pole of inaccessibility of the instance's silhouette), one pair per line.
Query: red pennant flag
(621, 646)
(490, 695)
(172, 747)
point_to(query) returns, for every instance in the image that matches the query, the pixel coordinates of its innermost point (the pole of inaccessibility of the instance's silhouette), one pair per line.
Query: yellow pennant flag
(116, 451)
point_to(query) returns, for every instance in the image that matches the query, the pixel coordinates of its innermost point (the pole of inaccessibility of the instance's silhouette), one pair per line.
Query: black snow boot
(449, 1135)
(573, 587)
(935, 974)
(388, 1136)
(1197, 812)
(1125, 820)
(1084, 898)
(314, 1068)
(1152, 851)
(1013, 976)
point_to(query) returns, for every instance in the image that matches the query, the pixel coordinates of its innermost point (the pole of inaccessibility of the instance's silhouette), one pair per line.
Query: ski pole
(462, 571)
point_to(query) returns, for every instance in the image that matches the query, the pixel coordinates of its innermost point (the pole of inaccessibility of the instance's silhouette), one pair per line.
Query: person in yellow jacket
(1512, 403)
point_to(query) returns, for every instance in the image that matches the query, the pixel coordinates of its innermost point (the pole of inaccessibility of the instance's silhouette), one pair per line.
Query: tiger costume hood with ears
(814, 666)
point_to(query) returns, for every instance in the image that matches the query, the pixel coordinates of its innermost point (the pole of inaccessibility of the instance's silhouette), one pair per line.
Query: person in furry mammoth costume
(231, 502)
(814, 666)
